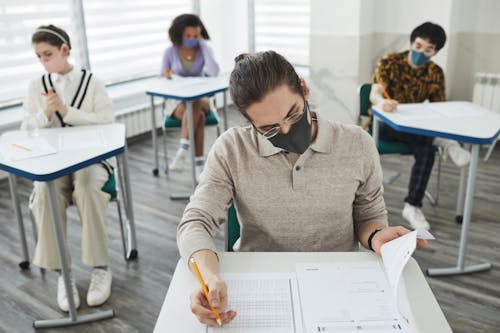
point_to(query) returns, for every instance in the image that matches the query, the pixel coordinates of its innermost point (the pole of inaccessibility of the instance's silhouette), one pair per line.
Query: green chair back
(364, 100)
(384, 147)
(233, 228)
(210, 119)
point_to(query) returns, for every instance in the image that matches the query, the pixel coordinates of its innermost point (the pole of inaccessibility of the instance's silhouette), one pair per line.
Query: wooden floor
(471, 303)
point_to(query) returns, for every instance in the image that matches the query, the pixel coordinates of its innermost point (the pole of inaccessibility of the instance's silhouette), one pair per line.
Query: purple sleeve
(167, 60)
(211, 67)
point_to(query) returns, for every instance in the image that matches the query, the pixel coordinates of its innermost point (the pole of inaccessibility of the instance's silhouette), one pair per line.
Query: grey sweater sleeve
(369, 205)
(207, 208)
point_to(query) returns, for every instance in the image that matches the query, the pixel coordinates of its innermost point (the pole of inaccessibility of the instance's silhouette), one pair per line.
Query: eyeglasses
(290, 120)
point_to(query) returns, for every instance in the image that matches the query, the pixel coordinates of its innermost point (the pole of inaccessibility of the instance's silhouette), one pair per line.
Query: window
(126, 38)
(18, 62)
(283, 26)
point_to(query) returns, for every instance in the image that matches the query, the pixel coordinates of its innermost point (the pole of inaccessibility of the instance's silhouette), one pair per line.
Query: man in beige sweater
(298, 181)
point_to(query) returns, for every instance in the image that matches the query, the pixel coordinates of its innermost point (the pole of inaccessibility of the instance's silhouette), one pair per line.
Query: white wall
(227, 24)
(476, 16)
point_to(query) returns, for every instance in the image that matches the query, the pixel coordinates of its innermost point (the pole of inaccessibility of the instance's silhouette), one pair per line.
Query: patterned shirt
(410, 85)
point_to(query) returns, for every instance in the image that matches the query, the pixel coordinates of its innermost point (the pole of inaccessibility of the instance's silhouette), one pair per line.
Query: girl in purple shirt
(189, 56)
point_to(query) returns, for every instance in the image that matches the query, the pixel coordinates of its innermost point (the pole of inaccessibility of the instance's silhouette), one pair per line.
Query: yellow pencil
(21, 147)
(386, 95)
(205, 290)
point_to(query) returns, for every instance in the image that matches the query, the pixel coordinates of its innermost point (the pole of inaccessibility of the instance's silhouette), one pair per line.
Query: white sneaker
(62, 298)
(198, 169)
(415, 217)
(178, 163)
(100, 287)
(458, 155)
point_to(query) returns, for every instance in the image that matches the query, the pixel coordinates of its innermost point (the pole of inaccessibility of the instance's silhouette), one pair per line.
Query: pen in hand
(205, 290)
(386, 95)
(392, 104)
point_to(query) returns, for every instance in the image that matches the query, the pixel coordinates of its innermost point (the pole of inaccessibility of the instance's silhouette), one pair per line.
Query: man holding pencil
(411, 77)
(298, 182)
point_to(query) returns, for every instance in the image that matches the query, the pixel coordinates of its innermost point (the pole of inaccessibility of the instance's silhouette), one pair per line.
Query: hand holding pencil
(209, 302)
(388, 104)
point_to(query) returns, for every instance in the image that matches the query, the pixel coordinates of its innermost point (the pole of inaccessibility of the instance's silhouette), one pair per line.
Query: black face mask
(298, 138)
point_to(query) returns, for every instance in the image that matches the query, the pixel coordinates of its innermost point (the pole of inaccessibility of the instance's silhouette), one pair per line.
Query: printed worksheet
(347, 297)
(396, 253)
(265, 303)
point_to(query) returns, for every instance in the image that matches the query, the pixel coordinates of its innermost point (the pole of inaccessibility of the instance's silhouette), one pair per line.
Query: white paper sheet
(416, 111)
(84, 139)
(24, 148)
(396, 253)
(265, 303)
(347, 297)
(453, 109)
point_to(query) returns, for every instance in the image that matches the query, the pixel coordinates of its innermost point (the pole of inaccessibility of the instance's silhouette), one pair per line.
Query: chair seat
(210, 119)
(394, 147)
(110, 186)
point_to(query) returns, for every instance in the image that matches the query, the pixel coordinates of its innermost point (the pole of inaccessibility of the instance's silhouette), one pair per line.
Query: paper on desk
(416, 111)
(453, 109)
(396, 253)
(347, 297)
(82, 139)
(263, 303)
(24, 148)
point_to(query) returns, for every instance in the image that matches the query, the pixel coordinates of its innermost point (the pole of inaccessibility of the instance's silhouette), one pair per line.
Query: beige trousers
(83, 188)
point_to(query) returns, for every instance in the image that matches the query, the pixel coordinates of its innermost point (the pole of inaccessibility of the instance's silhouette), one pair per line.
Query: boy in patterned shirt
(411, 77)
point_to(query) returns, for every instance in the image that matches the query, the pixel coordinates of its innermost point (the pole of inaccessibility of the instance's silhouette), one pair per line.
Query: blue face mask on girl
(190, 43)
(419, 58)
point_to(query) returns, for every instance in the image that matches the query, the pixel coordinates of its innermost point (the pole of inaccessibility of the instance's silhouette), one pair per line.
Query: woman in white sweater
(67, 96)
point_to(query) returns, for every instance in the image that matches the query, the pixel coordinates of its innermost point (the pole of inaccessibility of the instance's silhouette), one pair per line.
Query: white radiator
(138, 120)
(487, 94)
(487, 91)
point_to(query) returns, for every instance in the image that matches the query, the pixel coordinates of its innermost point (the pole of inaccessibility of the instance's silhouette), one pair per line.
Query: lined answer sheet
(347, 297)
(264, 303)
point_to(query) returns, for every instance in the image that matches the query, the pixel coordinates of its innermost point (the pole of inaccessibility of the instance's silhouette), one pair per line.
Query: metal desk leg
(469, 197)
(129, 209)
(153, 136)
(375, 126)
(61, 247)
(461, 193)
(225, 110)
(189, 110)
(25, 264)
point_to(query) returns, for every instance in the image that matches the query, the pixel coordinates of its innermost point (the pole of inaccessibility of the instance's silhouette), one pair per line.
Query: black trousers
(423, 151)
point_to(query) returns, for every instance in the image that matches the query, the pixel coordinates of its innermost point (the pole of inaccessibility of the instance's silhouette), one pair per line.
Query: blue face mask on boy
(190, 43)
(419, 58)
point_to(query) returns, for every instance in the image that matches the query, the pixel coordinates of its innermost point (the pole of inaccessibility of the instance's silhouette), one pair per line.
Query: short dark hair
(431, 31)
(256, 74)
(51, 38)
(180, 23)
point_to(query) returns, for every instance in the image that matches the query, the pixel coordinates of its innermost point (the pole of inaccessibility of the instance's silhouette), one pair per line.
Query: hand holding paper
(388, 234)
(395, 254)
